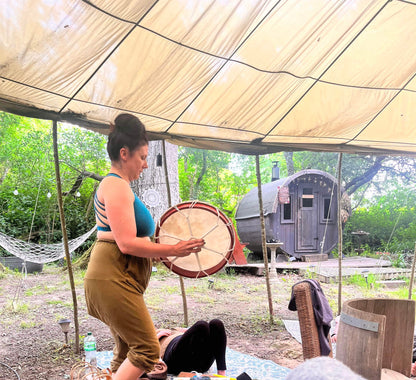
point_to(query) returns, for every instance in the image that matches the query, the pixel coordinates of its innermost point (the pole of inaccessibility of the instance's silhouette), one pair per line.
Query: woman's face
(137, 162)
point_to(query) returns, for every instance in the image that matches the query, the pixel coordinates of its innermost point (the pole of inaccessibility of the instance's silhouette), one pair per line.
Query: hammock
(40, 253)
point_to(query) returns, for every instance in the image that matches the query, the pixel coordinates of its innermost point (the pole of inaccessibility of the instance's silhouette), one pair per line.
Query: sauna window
(326, 211)
(286, 212)
(307, 197)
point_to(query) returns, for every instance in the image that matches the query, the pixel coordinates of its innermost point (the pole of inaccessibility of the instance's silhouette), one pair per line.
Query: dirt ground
(33, 345)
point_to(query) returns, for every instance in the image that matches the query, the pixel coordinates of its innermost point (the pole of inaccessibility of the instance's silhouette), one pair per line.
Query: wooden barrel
(376, 333)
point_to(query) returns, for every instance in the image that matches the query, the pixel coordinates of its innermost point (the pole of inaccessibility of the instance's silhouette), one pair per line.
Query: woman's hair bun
(127, 131)
(128, 124)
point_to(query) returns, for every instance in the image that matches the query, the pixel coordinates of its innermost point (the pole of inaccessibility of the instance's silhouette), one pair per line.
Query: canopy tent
(249, 76)
(246, 76)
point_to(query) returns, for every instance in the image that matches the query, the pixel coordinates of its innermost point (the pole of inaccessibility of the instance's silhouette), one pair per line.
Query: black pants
(197, 348)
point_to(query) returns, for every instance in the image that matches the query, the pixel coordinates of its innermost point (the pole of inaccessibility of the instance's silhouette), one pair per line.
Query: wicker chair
(308, 329)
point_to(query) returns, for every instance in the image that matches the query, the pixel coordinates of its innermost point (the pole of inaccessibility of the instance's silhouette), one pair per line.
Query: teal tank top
(144, 222)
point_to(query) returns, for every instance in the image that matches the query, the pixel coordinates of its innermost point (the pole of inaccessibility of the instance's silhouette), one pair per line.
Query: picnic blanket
(237, 363)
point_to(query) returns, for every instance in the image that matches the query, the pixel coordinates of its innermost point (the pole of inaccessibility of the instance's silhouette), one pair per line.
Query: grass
(202, 295)
(41, 289)
(60, 302)
(154, 301)
(360, 280)
(402, 293)
(257, 322)
(161, 271)
(205, 298)
(170, 289)
(27, 325)
(18, 308)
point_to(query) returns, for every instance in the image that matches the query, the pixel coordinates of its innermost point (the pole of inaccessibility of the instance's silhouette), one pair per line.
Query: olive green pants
(114, 286)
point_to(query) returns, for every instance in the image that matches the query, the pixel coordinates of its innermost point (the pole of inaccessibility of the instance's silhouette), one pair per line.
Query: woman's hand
(185, 248)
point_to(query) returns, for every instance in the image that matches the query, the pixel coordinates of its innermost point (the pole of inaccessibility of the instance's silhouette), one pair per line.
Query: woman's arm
(118, 199)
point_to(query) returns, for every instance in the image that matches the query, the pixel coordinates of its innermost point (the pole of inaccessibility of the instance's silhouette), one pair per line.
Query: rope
(36, 206)
(327, 219)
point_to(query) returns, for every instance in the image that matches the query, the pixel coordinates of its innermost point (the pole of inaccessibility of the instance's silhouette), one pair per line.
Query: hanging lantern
(159, 160)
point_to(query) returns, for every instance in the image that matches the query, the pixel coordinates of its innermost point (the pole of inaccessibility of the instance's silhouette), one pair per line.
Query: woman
(194, 349)
(121, 260)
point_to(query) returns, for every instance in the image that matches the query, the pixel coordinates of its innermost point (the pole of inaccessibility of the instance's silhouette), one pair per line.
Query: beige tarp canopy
(247, 76)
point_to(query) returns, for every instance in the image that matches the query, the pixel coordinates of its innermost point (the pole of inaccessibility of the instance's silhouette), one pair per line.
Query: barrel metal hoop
(360, 323)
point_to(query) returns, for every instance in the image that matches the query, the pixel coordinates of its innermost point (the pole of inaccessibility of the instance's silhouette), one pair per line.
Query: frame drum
(197, 220)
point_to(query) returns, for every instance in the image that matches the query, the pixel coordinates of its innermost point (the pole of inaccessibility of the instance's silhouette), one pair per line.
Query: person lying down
(195, 348)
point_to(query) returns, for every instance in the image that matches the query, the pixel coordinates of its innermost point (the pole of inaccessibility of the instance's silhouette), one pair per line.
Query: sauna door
(307, 239)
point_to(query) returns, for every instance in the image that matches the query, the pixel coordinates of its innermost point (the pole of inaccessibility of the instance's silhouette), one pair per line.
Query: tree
(219, 178)
(362, 175)
(26, 165)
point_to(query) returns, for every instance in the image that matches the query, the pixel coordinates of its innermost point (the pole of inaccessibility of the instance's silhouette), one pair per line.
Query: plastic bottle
(90, 349)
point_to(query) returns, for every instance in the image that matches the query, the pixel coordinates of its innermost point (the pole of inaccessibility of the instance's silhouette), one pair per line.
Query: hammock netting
(40, 253)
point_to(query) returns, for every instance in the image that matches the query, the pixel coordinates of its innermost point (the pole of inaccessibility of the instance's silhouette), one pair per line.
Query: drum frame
(227, 256)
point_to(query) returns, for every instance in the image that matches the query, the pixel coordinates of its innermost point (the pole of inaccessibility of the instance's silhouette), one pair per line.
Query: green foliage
(360, 280)
(390, 221)
(27, 165)
(388, 215)
(220, 178)
(401, 260)
(402, 293)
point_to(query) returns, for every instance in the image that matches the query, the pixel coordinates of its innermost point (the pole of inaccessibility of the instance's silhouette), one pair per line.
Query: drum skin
(197, 220)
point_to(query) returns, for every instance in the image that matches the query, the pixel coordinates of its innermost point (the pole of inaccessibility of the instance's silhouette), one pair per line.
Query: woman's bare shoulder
(115, 187)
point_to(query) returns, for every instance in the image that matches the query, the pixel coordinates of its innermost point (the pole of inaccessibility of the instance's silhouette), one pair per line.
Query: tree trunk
(200, 176)
(357, 182)
(289, 163)
(82, 262)
(151, 186)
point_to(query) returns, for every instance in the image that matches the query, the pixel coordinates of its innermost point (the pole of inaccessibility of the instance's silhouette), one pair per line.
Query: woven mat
(237, 363)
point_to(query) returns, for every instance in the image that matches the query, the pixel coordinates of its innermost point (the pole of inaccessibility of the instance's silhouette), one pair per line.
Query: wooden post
(64, 234)
(181, 282)
(412, 277)
(339, 235)
(263, 240)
